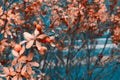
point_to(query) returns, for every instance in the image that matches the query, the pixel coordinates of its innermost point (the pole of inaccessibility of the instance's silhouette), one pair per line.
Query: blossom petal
(36, 32)
(38, 45)
(28, 36)
(19, 67)
(52, 38)
(20, 78)
(42, 36)
(23, 70)
(12, 73)
(29, 44)
(15, 78)
(22, 50)
(22, 42)
(3, 75)
(16, 54)
(26, 75)
(11, 69)
(52, 44)
(9, 33)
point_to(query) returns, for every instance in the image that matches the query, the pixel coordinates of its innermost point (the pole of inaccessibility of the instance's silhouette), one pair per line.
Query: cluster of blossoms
(16, 37)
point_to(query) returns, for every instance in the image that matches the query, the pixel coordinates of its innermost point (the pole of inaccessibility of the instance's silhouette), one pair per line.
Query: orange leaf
(30, 57)
(29, 70)
(35, 64)
(22, 59)
(26, 75)
(14, 62)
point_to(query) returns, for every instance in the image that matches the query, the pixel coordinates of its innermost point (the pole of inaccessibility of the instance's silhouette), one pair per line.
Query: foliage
(57, 39)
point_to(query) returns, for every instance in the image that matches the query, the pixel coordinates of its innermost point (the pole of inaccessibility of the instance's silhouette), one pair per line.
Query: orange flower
(3, 44)
(28, 62)
(31, 38)
(17, 55)
(21, 72)
(7, 31)
(8, 72)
